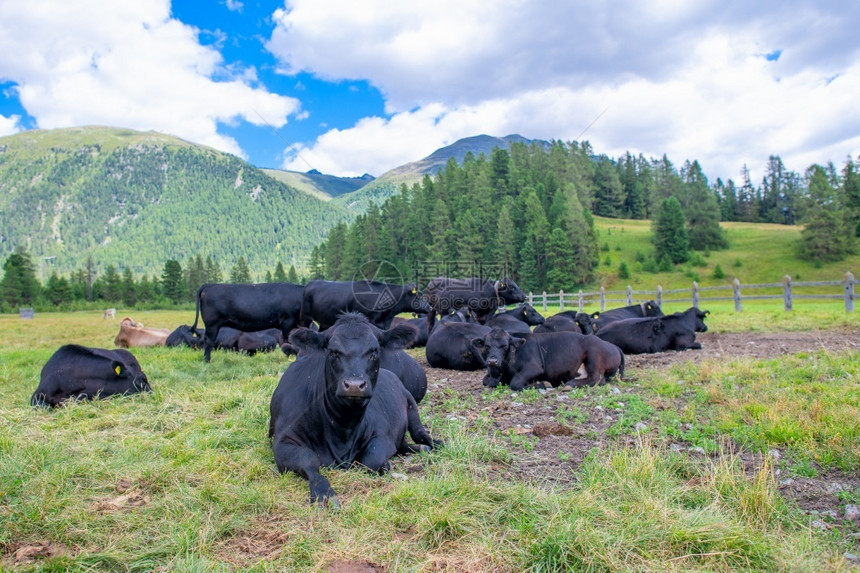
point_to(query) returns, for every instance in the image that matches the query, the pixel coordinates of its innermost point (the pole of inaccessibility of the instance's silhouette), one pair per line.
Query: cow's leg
(376, 455)
(592, 370)
(305, 462)
(417, 431)
(209, 337)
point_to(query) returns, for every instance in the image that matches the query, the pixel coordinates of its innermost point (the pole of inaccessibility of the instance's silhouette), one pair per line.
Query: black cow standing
(75, 372)
(641, 310)
(569, 320)
(657, 333)
(482, 296)
(247, 307)
(335, 406)
(518, 320)
(554, 357)
(325, 301)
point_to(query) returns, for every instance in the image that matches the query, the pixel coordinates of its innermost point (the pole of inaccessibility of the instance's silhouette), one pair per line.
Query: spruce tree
(240, 273)
(826, 236)
(560, 261)
(19, 285)
(670, 234)
(128, 290)
(172, 285)
(292, 275)
(280, 275)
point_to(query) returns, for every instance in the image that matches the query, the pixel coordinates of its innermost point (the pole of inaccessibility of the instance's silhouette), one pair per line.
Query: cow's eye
(334, 354)
(374, 355)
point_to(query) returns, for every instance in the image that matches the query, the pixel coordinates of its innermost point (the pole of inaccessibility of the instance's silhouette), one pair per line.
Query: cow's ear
(400, 336)
(595, 314)
(307, 339)
(707, 313)
(478, 343)
(118, 368)
(516, 342)
(412, 288)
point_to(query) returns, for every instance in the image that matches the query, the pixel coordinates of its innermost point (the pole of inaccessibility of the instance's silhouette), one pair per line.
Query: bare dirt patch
(553, 434)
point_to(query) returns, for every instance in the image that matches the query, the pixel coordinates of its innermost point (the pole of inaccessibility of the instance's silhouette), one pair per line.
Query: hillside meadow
(183, 478)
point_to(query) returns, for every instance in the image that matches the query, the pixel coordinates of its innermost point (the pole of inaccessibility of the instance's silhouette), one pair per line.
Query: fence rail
(788, 295)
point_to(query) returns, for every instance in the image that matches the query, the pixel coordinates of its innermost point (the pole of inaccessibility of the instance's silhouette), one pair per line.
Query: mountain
(389, 182)
(136, 199)
(318, 184)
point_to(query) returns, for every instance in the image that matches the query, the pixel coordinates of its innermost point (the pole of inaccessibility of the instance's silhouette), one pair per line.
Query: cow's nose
(354, 386)
(493, 361)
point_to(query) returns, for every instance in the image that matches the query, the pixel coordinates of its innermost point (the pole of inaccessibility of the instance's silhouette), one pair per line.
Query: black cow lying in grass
(518, 320)
(228, 339)
(450, 346)
(657, 333)
(335, 406)
(554, 357)
(568, 320)
(80, 372)
(641, 310)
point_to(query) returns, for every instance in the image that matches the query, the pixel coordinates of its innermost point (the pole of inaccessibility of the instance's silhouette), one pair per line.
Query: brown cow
(133, 333)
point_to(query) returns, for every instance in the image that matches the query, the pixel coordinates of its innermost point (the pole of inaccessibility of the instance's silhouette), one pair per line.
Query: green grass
(183, 479)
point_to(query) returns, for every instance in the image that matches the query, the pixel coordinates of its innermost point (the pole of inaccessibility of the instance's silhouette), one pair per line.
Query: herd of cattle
(352, 393)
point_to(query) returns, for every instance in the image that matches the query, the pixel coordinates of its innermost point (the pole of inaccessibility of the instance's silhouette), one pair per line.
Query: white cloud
(127, 64)
(686, 79)
(9, 125)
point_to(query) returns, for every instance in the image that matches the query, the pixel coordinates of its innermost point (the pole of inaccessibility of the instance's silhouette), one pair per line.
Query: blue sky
(349, 86)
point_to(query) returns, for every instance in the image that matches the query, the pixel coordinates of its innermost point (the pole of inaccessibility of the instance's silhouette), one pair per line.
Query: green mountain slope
(318, 184)
(390, 182)
(138, 199)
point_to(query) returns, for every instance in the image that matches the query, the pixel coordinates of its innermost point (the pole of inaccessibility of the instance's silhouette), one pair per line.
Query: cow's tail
(621, 367)
(197, 311)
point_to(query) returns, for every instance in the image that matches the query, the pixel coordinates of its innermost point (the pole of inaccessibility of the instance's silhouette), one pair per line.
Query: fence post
(849, 292)
(629, 295)
(736, 293)
(602, 299)
(695, 294)
(544, 301)
(561, 299)
(531, 298)
(581, 300)
(659, 296)
(786, 292)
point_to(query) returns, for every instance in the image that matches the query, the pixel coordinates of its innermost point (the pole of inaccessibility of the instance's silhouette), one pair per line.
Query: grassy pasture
(183, 479)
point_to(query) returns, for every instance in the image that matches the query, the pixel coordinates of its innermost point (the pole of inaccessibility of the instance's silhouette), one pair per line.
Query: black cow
(420, 325)
(75, 372)
(380, 302)
(335, 406)
(518, 320)
(641, 310)
(482, 296)
(247, 307)
(568, 320)
(656, 333)
(184, 336)
(450, 346)
(392, 358)
(554, 357)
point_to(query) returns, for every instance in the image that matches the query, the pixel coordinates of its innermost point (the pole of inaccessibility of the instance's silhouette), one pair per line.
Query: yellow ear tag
(414, 291)
(117, 369)
(502, 285)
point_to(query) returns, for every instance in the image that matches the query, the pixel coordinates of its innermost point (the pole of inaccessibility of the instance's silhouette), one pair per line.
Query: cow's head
(509, 292)
(650, 308)
(415, 301)
(584, 322)
(700, 320)
(496, 348)
(352, 349)
(529, 315)
(80, 372)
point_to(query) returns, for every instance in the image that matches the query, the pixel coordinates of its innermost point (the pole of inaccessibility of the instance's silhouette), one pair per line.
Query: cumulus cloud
(691, 80)
(9, 125)
(127, 64)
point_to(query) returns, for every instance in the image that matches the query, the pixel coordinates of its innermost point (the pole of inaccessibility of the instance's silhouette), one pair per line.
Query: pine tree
(827, 235)
(213, 271)
(560, 262)
(112, 285)
(19, 285)
(58, 290)
(172, 285)
(702, 212)
(670, 234)
(292, 275)
(280, 275)
(128, 290)
(240, 273)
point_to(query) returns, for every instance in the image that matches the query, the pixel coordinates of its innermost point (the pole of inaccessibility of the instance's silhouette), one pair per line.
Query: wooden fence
(694, 295)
